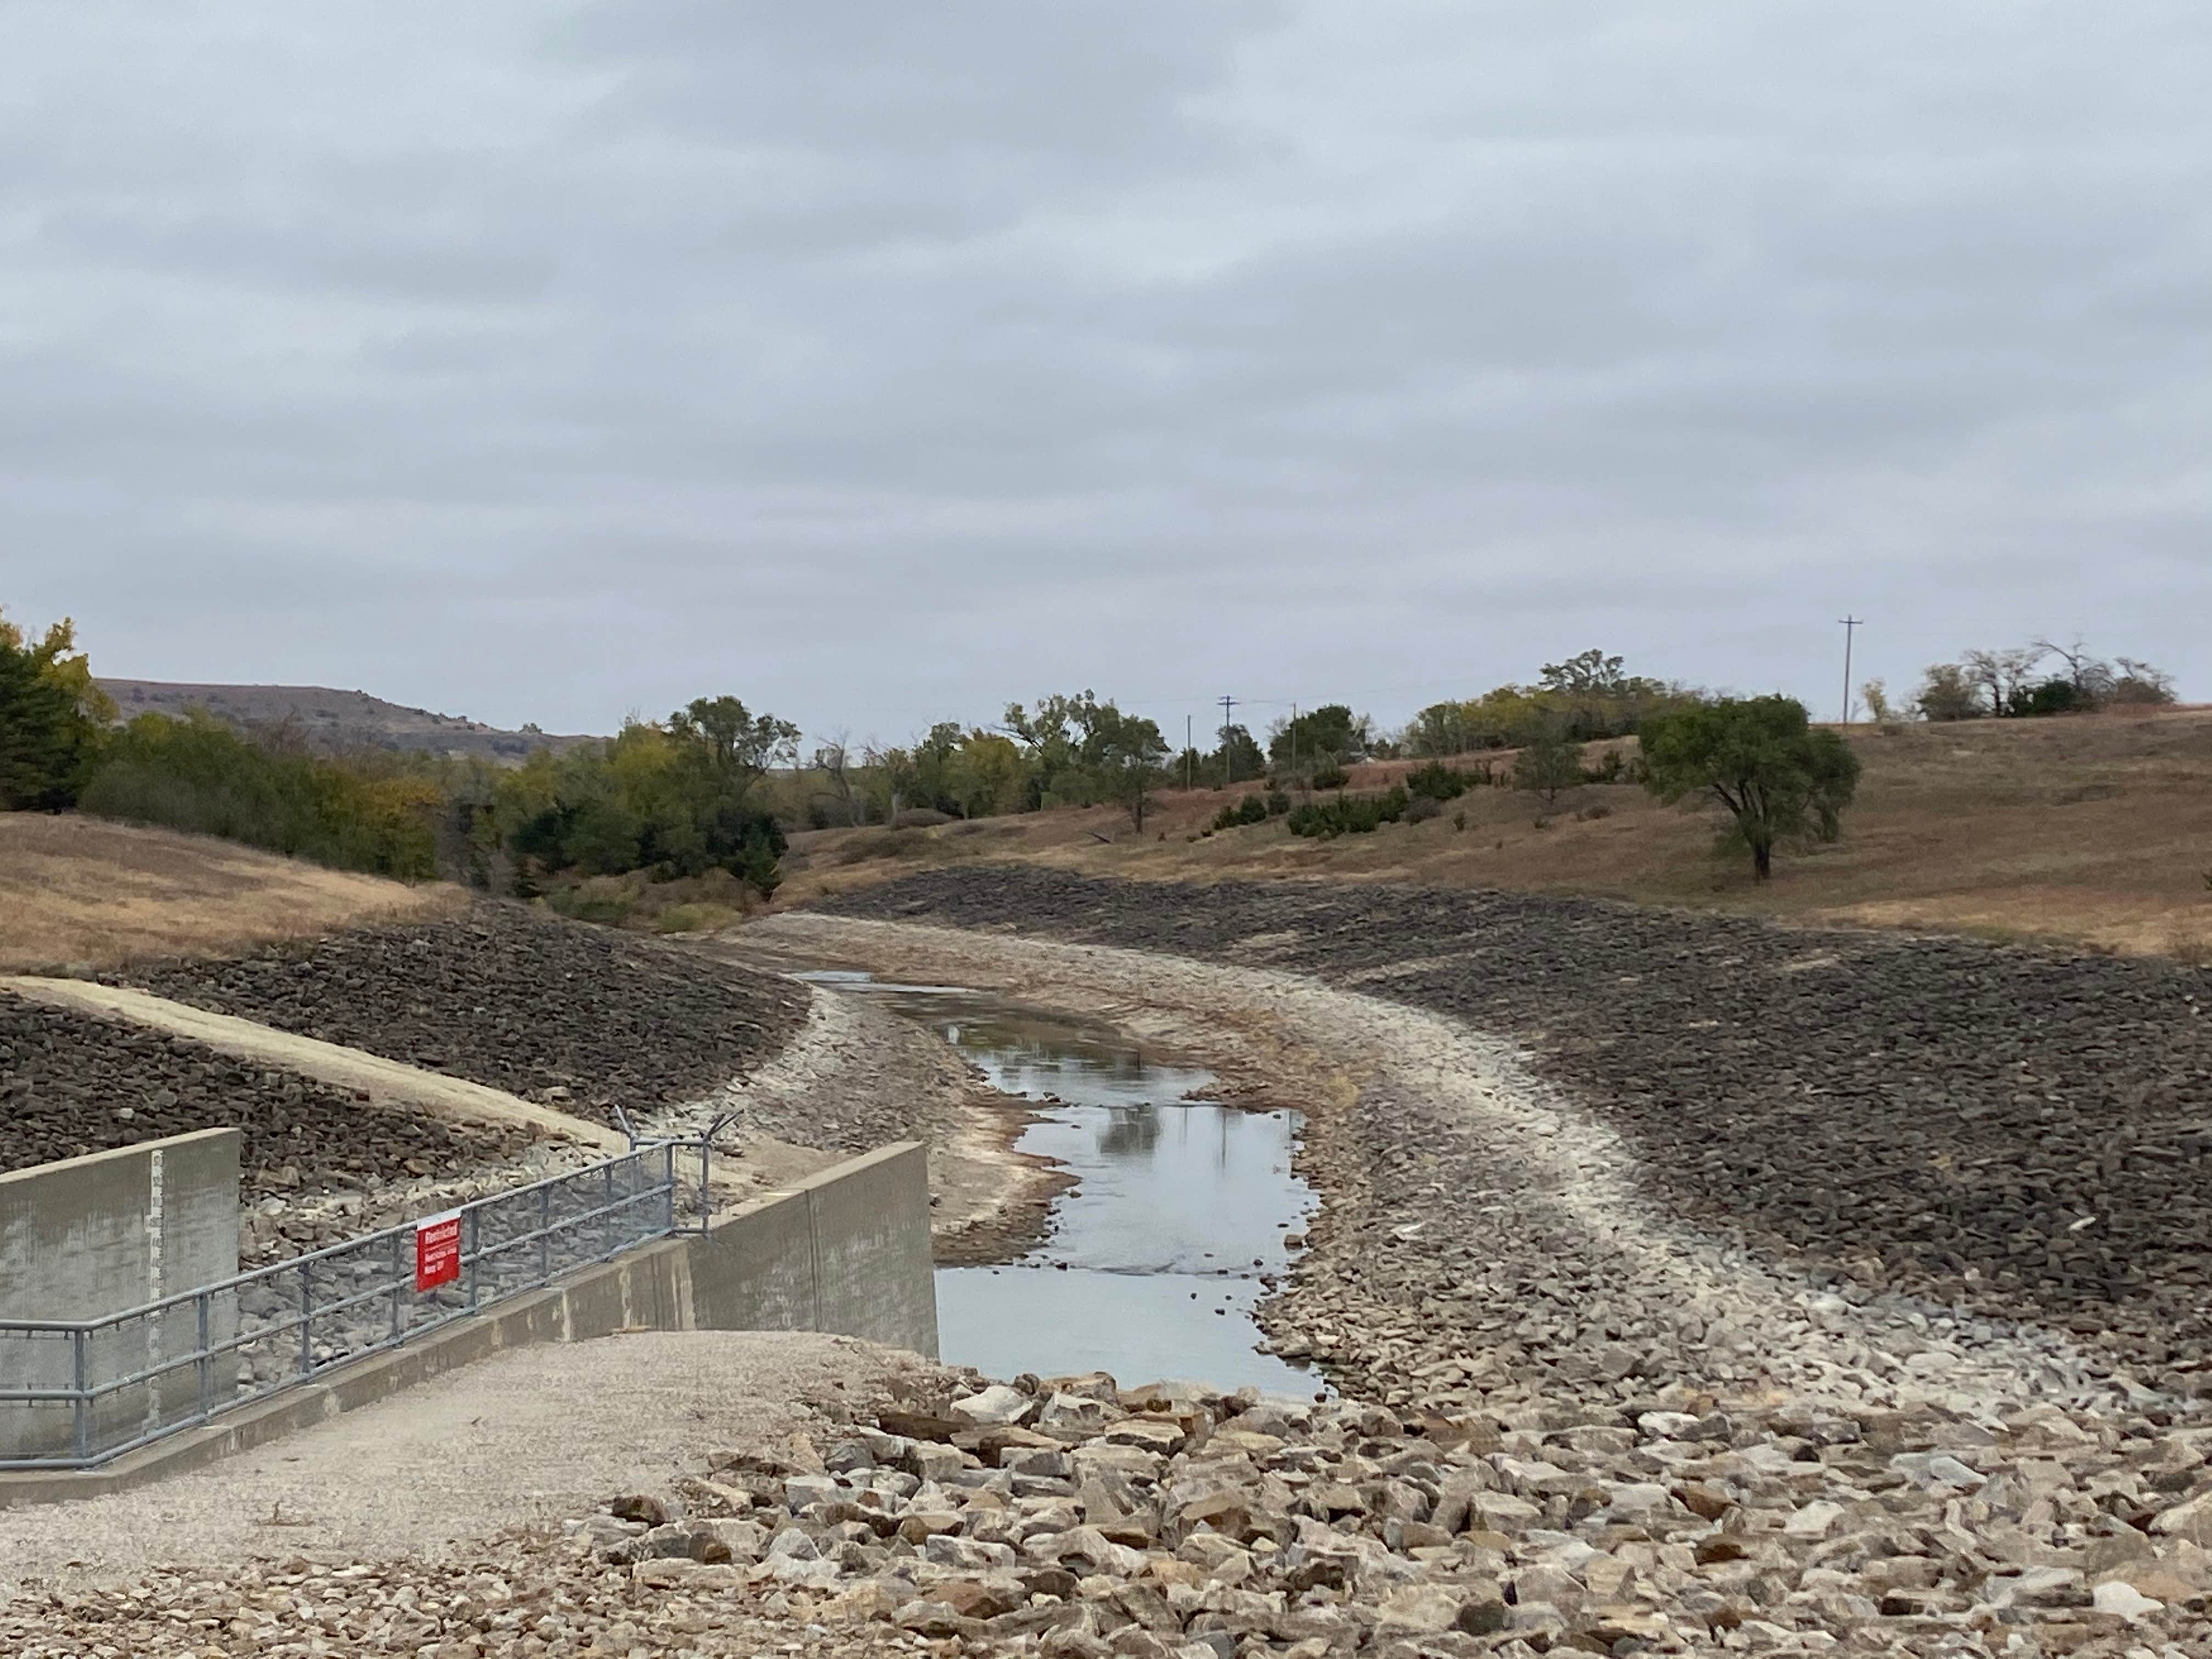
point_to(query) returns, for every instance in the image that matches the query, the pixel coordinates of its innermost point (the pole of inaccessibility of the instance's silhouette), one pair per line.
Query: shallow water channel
(1151, 1267)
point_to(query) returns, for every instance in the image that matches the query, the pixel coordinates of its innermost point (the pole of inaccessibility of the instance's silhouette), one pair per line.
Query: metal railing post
(207, 1359)
(545, 1232)
(706, 1176)
(668, 1181)
(307, 1321)
(82, 1406)
(613, 1221)
(399, 1277)
(473, 1247)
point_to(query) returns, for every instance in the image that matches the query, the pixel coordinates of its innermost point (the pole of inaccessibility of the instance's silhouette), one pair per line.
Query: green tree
(738, 745)
(1548, 763)
(1328, 735)
(1236, 758)
(985, 776)
(1946, 694)
(365, 811)
(1590, 695)
(1440, 729)
(1051, 740)
(1123, 754)
(1591, 674)
(51, 715)
(674, 800)
(1761, 759)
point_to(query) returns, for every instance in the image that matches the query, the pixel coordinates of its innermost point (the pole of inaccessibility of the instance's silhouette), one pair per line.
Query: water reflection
(1151, 1266)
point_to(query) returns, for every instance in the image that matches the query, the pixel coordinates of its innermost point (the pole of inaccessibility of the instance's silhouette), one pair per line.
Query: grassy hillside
(79, 891)
(334, 720)
(2095, 828)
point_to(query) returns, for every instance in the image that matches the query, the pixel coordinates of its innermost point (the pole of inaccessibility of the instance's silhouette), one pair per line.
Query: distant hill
(332, 719)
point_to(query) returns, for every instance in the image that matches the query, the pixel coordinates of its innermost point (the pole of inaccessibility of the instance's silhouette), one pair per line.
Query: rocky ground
(513, 997)
(2022, 1134)
(312, 1159)
(1075, 1518)
(1692, 1287)
(581, 1018)
(1072, 1519)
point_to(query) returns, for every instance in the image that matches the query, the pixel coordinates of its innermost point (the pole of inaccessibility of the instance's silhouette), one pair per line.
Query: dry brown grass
(79, 892)
(2096, 830)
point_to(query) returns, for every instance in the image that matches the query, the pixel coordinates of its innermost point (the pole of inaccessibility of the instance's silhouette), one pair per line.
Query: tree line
(2024, 681)
(1078, 749)
(675, 798)
(716, 787)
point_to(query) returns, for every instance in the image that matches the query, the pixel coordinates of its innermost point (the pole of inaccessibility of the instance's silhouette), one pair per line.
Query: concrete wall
(848, 1251)
(99, 1235)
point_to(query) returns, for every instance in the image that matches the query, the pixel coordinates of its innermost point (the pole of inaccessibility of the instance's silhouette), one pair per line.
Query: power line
(1851, 625)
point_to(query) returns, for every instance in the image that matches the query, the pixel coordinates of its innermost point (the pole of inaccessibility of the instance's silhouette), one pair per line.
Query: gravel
(2026, 1134)
(513, 997)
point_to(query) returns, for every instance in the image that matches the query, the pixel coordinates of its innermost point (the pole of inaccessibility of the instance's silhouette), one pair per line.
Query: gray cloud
(884, 364)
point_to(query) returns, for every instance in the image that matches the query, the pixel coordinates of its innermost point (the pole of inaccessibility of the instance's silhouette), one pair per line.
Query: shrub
(2052, 696)
(1459, 820)
(1253, 809)
(2141, 685)
(1348, 815)
(1437, 782)
(591, 904)
(1600, 810)
(1421, 808)
(695, 918)
(1330, 775)
(1277, 803)
(919, 817)
(1608, 769)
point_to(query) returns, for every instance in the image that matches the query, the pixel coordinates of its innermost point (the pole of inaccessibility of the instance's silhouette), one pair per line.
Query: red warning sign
(437, 1250)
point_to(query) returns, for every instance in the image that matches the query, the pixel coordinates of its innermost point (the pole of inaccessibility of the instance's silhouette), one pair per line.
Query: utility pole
(1294, 739)
(1228, 705)
(1190, 755)
(1851, 624)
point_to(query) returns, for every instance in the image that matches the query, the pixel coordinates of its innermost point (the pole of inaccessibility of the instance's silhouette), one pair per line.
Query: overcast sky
(885, 362)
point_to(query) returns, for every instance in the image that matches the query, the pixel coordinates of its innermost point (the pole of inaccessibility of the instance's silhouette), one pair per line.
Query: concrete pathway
(536, 1435)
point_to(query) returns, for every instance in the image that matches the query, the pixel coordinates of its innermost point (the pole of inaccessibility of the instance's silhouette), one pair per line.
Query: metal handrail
(655, 1160)
(307, 1258)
